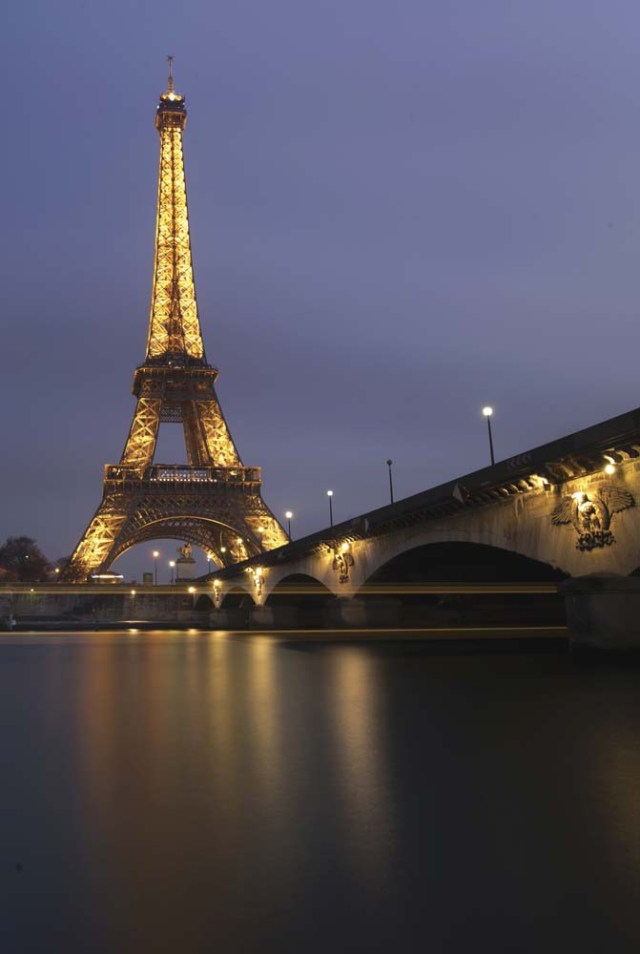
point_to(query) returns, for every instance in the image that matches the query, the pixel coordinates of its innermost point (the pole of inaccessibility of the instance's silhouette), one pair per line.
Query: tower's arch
(208, 534)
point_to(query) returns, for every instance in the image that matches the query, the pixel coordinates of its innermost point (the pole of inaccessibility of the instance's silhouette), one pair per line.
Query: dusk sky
(400, 212)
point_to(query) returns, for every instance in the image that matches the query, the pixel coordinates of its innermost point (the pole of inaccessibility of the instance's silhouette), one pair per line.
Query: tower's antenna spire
(170, 80)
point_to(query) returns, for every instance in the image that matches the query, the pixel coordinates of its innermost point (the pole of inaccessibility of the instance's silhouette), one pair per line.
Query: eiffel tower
(213, 501)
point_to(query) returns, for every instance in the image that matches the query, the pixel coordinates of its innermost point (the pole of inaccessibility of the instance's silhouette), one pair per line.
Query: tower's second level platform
(170, 477)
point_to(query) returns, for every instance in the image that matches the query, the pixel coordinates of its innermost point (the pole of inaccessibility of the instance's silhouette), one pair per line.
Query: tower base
(218, 509)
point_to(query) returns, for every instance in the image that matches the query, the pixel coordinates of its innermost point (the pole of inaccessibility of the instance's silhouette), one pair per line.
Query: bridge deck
(577, 454)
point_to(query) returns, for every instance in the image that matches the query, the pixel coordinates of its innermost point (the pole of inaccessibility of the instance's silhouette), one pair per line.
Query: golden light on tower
(214, 499)
(174, 325)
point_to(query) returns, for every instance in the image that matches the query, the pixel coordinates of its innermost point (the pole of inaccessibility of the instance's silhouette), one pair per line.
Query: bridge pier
(603, 612)
(262, 616)
(365, 612)
(348, 612)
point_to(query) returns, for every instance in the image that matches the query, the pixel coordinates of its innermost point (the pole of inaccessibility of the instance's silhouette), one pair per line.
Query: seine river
(204, 792)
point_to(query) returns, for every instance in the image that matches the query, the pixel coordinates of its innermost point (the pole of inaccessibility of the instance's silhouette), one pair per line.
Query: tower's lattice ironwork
(212, 501)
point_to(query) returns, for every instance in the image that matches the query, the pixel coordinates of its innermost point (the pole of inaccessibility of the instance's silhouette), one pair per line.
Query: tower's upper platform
(171, 109)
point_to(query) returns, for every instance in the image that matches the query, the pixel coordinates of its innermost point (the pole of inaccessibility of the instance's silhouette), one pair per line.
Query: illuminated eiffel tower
(213, 501)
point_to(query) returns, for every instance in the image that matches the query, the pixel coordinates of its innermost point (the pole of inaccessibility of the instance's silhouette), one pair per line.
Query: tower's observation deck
(212, 500)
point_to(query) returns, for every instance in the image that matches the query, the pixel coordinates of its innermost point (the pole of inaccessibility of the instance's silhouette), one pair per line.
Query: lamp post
(289, 515)
(330, 496)
(389, 463)
(488, 412)
(209, 562)
(155, 555)
(172, 565)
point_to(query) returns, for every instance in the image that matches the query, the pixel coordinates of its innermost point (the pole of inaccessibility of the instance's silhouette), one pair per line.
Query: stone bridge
(570, 508)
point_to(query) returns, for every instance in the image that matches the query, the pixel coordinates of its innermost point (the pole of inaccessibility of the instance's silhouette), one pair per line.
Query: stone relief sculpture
(591, 513)
(342, 562)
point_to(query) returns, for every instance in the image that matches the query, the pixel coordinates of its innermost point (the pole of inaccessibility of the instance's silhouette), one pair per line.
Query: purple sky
(400, 211)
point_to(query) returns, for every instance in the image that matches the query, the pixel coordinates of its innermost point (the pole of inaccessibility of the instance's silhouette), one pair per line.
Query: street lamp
(330, 496)
(389, 463)
(209, 559)
(172, 564)
(155, 555)
(289, 515)
(488, 412)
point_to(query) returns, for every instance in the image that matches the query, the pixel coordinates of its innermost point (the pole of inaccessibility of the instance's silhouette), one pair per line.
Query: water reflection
(361, 774)
(264, 713)
(613, 793)
(248, 758)
(202, 791)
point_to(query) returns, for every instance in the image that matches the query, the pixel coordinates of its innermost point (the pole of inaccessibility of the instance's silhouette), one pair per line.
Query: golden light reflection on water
(220, 717)
(207, 718)
(220, 783)
(362, 770)
(265, 718)
(614, 792)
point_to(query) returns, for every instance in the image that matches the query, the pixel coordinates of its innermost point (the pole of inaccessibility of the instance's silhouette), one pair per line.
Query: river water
(205, 792)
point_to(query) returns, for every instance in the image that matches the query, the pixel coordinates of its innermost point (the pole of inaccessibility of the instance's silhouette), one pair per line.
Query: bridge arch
(380, 551)
(316, 569)
(295, 585)
(457, 561)
(236, 596)
(300, 599)
(400, 589)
